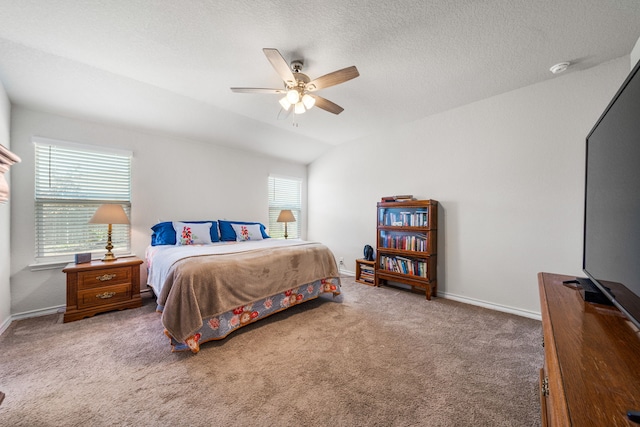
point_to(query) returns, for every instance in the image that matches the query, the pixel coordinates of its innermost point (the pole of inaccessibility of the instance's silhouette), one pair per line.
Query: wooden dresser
(99, 286)
(591, 374)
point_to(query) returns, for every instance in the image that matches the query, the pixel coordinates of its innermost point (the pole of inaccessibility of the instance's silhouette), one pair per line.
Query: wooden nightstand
(99, 286)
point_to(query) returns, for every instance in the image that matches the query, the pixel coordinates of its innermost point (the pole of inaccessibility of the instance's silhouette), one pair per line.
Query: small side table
(365, 272)
(98, 286)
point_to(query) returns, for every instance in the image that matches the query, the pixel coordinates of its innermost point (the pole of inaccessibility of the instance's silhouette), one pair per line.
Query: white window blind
(72, 181)
(284, 193)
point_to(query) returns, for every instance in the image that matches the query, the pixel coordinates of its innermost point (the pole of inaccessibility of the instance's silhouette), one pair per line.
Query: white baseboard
(33, 313)
(347, 273)
(492, 306)
(40, 312)
(5, 325)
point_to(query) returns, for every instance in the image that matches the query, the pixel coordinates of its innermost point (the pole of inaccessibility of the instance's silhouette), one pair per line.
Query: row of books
(403, 265)
(367, 273)
(418, 218)
(416, 242)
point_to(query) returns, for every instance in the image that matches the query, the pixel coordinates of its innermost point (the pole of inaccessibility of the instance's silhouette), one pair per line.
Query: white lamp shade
(286, 216)
(284, 102)
(109, 214)
(308, 101)
(293, 96)
(299, 108)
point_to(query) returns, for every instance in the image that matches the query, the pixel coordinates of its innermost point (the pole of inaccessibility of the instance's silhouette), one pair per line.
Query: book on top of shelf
(399, 198)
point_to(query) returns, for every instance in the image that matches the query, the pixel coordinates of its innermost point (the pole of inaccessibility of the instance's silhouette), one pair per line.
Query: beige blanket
(208, 285)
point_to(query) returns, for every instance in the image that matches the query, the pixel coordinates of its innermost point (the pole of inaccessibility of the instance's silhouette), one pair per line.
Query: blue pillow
(227, 234)
(165, 234)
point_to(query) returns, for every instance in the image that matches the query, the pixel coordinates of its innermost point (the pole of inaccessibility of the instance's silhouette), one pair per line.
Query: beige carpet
(371, 357)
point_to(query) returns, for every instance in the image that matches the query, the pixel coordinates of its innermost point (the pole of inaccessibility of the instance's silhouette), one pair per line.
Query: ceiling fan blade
(280, 65)
(327, 105)
(256, 90)
(333, 79)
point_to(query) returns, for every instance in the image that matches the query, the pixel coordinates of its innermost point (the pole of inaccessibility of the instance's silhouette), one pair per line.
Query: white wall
(508, 172)
(5, 288)
(172, 179)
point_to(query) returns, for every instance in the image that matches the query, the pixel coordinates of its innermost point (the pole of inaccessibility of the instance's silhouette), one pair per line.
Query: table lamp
(109, 214)
(286, 216)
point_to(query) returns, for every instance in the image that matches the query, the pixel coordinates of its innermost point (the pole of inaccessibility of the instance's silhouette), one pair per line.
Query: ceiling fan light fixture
(284, 102)
(293, 96)
(299, 109)
(308, 101)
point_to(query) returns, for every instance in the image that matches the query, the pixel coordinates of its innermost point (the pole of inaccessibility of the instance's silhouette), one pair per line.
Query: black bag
(368, 253)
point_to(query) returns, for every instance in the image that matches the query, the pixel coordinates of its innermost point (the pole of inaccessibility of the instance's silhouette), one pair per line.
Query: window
(71, 182)
(284, 193)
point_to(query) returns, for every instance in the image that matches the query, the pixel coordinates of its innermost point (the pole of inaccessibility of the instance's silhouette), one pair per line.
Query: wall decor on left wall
(7, 158)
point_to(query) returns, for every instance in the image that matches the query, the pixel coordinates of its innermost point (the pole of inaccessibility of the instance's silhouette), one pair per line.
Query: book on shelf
(405, 242)
(405, 218)
(398, 264)
(398, 198)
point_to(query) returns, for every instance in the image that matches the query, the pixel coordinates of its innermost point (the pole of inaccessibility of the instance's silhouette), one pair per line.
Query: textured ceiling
(167, 66)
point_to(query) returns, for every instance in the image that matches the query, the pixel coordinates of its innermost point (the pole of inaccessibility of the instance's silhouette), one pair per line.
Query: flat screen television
(611, 250)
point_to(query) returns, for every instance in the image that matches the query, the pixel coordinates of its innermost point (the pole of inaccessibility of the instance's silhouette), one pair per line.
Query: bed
(207, 291)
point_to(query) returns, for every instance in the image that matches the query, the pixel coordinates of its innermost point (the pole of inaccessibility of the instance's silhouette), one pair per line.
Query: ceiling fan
(298, 87)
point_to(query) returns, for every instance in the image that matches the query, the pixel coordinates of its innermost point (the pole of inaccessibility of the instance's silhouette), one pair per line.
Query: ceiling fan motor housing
(301, 78)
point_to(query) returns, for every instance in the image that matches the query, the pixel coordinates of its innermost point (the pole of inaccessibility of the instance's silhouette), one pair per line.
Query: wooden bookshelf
(365, 272)
(407, 244)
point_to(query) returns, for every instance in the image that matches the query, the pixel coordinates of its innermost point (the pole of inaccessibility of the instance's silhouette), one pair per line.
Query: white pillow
(246, 232)
(189, 233)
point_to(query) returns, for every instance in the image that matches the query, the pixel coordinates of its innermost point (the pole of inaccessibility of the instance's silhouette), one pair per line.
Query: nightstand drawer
(104, 277)
(106, 295)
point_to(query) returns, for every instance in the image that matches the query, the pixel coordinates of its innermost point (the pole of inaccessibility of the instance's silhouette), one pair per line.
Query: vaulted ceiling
(166, 66)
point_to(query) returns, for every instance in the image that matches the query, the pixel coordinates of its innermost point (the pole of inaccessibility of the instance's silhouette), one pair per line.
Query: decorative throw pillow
(246, 232)
(226, 230)
(165, 234)
(190, 233)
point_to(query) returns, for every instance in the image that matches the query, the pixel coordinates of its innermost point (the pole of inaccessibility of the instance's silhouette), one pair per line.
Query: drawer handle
(106, 277)
(106, 295)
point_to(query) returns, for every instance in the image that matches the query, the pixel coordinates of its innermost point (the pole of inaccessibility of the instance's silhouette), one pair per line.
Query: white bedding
(160, 259)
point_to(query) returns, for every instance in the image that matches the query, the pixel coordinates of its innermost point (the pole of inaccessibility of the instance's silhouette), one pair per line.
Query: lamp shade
(293, 96)
(284, 102)
(286, 216)
(299, 108)
(109, 214)
(308, 101)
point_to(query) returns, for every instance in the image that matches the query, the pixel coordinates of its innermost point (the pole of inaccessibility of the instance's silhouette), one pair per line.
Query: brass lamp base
(109, 256)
